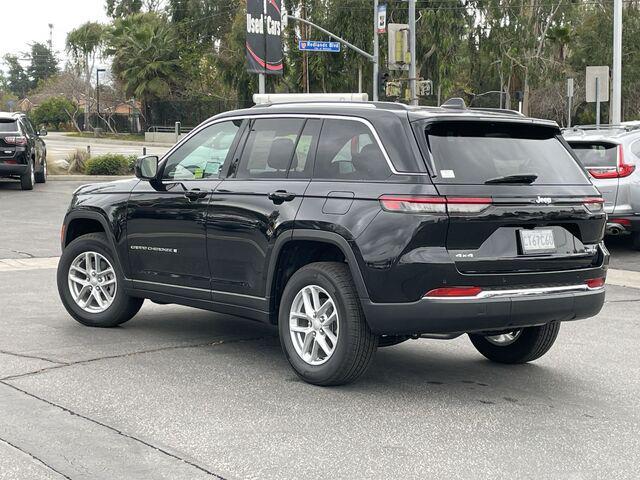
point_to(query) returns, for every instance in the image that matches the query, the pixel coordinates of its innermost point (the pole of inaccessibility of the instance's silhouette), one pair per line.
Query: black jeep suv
(350, 226)
(23, 154)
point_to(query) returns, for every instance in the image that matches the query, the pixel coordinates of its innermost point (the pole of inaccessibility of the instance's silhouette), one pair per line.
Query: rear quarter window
(596, 154)
(473, 152)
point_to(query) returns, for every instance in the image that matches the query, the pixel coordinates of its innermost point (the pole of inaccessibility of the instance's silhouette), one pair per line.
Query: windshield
(8, 126)
(596, 154)
(471, 152)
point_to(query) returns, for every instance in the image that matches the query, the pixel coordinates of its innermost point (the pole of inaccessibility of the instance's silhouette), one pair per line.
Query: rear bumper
(617, 224)
(438, 315)
(11, 169)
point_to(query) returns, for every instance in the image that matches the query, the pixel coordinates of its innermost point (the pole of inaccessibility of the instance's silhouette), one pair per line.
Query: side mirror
(43, 132)
(146, 168)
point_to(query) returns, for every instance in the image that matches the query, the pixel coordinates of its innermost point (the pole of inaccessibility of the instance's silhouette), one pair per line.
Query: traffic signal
(383, 78)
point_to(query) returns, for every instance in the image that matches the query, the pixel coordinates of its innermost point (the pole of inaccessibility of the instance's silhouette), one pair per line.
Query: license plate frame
(537, 241)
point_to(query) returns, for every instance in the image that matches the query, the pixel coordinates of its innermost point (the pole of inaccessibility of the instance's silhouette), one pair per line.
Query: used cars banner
(264, 40)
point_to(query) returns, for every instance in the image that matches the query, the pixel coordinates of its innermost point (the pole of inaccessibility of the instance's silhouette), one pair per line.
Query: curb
(86, 178)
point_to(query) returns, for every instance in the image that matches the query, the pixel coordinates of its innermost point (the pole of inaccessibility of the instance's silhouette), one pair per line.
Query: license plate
(537, 241)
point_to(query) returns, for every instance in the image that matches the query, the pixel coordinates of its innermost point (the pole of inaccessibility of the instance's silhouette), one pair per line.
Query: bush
(77, 161)
(110, 164)
(53, 112)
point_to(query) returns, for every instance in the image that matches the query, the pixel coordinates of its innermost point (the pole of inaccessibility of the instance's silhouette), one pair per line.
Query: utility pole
(376, 51)
(413, 94)
(616, 91)
(50, 42)
(262, 77)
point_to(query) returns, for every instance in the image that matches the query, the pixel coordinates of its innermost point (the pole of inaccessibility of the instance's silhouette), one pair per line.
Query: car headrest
(280, 153)
(369, 160)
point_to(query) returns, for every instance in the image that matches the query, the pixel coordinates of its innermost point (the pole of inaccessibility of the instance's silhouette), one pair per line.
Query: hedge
(110, 164)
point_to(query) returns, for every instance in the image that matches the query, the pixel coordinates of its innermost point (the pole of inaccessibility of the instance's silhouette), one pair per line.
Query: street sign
(599, 75)
(382, 18)
(318, 46)
(399, 57)
(425, 88)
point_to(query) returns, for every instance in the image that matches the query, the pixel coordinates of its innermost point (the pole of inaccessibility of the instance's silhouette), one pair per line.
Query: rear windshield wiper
(527, 178)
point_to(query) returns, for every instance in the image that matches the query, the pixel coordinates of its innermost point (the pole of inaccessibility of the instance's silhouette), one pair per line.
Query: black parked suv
(23, 154)
(350, 226)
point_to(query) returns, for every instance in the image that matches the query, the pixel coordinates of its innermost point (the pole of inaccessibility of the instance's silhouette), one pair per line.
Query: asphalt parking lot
(183, 394)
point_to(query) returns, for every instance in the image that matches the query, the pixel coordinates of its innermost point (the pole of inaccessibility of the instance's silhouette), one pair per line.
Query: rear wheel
(41, 176)
(28, 178)
(90, 283)
(323, 331)
(517, 346)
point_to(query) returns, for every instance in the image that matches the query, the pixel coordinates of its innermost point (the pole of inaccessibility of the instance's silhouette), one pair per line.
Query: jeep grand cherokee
(350, 226)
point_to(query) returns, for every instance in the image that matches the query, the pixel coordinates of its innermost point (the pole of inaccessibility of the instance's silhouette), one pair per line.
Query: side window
(26, 127)
(269, 148)
(348, 151)
(302, 164)
(202, 155)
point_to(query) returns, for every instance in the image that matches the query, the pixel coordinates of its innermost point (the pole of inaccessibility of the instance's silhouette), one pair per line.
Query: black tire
(635, 240)
(123, 307)
(391, 340)
(27, 179)
(532, 343)
(355, 345)
(41, 176)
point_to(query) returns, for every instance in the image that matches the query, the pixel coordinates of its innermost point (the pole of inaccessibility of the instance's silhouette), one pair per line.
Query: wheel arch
(326, 246)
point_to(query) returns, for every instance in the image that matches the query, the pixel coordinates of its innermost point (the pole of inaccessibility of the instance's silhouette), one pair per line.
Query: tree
(124, 8)
(17, 78)
(145, 60)
(43, 64)
(84, 44)
(53, 112)
(69, 85)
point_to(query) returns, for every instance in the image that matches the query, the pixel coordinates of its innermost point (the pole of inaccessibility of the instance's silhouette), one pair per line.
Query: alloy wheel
(314, 325)
(92, 282)
(504, 339)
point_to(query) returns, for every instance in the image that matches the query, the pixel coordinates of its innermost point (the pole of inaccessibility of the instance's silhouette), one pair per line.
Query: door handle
(195, 194)
(281, 196)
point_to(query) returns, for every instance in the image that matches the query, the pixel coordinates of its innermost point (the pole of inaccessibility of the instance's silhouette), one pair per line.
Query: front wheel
(91, 285)
(41, 176)
(323, 331)
(517, 346)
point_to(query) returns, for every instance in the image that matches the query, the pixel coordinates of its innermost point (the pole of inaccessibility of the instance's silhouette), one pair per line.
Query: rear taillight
(449, 292)
(595, 283)
(625, 222)
(16, 140)
(442, 205)
(623, 169)
(594, 204)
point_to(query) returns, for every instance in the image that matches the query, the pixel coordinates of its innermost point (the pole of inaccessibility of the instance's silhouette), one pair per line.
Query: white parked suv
(610, 153)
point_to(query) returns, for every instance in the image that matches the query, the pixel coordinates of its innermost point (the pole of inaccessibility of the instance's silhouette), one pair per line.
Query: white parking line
(20, 264)
(621, 278)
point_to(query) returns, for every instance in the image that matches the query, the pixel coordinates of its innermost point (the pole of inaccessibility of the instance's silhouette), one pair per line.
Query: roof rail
(627, 127)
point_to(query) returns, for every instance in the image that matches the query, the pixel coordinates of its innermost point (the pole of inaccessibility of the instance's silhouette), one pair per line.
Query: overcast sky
(26, 21)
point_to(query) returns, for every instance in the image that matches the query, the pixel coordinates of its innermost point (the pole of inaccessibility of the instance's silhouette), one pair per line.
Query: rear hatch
(517, 200)
(601, 158)
(8, 132)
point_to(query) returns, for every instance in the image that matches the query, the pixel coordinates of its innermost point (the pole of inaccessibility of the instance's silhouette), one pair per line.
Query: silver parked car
(610, 153)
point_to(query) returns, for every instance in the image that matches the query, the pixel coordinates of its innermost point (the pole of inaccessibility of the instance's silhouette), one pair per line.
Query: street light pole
(413, 94)
(376, 51)
(616, 91)
(98, 70)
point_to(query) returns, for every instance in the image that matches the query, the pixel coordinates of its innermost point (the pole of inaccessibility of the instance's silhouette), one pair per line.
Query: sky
(16, 35)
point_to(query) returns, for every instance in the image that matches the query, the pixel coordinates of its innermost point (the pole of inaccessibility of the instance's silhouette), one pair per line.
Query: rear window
(8, 126)
(596, 154)
(475, 152)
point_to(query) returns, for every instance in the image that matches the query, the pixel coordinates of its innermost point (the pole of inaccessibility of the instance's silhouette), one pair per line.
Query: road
(183, 394)
(60, 145)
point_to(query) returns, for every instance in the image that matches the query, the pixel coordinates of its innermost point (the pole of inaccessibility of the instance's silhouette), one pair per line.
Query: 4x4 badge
(545, 200)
